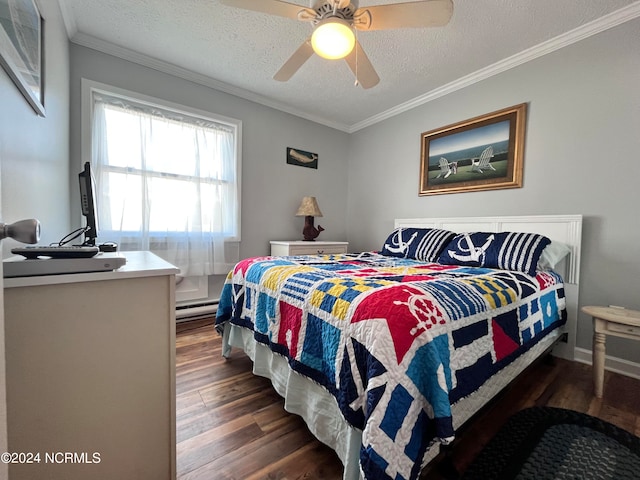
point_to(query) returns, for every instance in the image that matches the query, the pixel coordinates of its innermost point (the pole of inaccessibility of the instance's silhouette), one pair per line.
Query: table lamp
(25, 231)
(309, 209)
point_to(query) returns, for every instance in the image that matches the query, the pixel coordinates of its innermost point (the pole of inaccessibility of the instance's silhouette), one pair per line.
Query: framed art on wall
(21, 49)
(295, 156)
(482, 153)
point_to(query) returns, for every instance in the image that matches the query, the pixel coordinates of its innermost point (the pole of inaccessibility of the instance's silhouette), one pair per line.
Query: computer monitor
(88, 202)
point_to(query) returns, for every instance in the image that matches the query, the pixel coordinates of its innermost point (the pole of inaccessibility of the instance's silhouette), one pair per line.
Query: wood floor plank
(213, 417)
(199, 374)
(188, 402)
(231, 425)
(217, 442)
(246, 459)
(271, 417)
(236, 387)
(311, 462)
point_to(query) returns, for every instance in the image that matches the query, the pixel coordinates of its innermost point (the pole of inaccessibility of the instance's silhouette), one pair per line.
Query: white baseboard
(196, 310)
(613, 364)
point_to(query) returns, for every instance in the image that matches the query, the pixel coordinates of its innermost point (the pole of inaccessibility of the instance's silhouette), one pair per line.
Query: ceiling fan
(334, 22)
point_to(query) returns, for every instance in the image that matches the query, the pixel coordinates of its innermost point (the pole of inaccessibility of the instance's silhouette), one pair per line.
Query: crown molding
(68, 18)
(573, 36)
(606, 22)
(166, 67)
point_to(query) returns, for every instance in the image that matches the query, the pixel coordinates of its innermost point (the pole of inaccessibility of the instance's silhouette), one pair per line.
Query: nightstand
(301, 247)
(616, 321)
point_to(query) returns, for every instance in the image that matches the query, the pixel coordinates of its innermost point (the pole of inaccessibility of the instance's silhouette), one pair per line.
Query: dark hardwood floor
(232, 425)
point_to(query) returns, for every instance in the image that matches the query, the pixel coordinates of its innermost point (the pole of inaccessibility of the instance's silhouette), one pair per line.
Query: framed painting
(295, 156)
(482, 153)
(21, 49)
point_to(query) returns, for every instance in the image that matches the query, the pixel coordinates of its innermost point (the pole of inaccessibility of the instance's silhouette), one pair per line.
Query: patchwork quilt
(396, 341)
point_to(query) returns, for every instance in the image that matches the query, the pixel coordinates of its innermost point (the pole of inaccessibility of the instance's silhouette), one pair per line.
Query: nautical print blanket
(396, 341)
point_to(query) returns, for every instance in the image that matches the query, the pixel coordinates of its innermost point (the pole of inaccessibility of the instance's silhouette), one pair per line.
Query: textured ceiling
(239, 51)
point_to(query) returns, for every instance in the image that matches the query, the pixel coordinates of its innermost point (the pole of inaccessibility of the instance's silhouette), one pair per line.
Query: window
(167, 180)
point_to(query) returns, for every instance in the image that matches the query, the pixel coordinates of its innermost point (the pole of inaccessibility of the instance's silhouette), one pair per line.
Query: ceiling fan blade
(273, 7)
(425, 13)
(362, 68)
(291, 66)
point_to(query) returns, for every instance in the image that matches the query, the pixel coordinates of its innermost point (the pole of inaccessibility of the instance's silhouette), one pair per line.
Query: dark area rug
(545, 443)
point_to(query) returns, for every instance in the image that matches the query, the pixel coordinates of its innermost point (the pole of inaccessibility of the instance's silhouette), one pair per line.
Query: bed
(385, 354)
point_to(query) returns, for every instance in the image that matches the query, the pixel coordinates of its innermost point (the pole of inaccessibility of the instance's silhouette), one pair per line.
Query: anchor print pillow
(504, 250)
(424, 244)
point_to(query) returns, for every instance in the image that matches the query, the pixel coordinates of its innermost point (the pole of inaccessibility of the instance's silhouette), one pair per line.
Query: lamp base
(309, 231)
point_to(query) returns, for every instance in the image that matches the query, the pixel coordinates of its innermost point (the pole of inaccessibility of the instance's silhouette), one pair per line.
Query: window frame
(89, 87)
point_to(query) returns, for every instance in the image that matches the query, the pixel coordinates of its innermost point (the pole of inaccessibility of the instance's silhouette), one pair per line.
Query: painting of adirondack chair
(484, 161)
(447, 168)
(481, 153)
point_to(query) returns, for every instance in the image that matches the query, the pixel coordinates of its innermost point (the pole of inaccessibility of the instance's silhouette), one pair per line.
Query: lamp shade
(309, 208)
(333, 38)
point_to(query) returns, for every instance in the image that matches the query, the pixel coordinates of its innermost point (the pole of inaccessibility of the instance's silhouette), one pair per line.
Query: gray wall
(34, 151)
(581, 156)
(271, 189)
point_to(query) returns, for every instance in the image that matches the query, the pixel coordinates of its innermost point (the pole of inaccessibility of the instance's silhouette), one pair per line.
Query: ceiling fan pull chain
(355, 84)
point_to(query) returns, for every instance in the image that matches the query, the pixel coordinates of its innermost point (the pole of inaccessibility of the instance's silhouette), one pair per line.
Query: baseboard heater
(196, 310)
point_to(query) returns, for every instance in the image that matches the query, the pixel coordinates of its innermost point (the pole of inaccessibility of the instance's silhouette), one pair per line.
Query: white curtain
(166, 182)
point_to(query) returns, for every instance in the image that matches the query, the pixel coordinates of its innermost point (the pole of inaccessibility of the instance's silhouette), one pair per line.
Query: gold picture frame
(482, 153)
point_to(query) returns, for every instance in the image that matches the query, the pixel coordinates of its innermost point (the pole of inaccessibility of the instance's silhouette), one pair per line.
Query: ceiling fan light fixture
(333, 39)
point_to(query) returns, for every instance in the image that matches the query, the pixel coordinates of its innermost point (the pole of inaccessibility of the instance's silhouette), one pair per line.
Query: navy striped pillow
(424, 244)
(505, 250)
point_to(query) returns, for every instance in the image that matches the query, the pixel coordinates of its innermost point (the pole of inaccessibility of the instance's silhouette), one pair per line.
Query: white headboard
(561, 228)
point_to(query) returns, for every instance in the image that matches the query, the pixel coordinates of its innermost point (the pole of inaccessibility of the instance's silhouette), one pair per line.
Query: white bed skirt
(319, 408)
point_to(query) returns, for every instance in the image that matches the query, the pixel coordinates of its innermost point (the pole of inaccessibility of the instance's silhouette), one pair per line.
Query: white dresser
(301, 247)
(90, 362)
